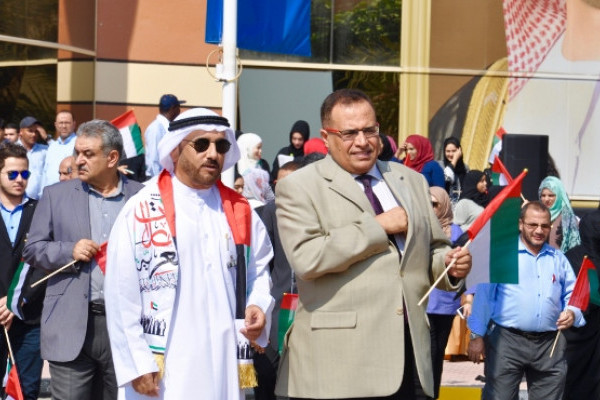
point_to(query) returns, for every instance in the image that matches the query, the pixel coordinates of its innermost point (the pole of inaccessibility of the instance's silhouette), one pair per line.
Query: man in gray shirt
(72, 221)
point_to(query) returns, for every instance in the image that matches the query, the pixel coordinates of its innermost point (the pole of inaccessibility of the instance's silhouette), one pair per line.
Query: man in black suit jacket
(24, 324)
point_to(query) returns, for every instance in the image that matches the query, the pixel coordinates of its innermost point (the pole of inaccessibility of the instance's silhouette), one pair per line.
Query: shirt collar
(67, 140)
(20, 205)
(546, 249)
(116, 193)
(373, 172)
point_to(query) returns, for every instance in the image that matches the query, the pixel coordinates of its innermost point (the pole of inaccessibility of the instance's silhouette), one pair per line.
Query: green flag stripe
(136, 136)
(286, 317)
(594, 294)
(504, 256)
(15, 289)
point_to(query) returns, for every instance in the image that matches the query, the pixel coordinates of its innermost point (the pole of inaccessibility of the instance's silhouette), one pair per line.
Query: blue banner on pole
(272, 26)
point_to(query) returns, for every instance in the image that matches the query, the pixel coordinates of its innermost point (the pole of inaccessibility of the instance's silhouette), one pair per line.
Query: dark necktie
(375, 203)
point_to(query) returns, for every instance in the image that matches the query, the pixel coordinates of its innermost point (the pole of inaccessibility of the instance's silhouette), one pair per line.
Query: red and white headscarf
(531, 27)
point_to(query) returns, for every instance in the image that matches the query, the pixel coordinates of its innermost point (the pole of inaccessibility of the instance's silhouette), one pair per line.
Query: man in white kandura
(171, 271)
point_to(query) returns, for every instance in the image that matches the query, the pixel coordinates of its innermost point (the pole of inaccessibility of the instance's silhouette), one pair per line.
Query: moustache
(210, 163)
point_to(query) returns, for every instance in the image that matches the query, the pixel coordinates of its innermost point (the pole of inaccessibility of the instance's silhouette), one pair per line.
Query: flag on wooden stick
(494, 233)
(586, 286)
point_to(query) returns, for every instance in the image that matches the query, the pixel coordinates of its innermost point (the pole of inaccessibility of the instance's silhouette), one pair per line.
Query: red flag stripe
(101, 257)
(13, 385)
(580, 297)
(500, 168)
(289, 301)
(512, 190)
(123, 120)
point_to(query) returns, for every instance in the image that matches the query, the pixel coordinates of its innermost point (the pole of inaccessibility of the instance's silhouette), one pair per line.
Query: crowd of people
(135, 291)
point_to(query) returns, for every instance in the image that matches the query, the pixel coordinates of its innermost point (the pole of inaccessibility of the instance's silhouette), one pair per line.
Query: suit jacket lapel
(25, 222)
(4, 234)
(341, 182)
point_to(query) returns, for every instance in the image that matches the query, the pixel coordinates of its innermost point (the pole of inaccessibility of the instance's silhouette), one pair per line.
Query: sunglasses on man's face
(12, 175)
(202, 144)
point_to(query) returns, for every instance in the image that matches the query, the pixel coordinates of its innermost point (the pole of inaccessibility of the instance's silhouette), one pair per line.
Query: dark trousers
(440, 327)
(25, 342)
(91, 375)
(509, 356)
(266, 374)
(411, 385)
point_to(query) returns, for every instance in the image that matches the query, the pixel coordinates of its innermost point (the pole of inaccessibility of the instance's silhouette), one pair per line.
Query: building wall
(144, 49)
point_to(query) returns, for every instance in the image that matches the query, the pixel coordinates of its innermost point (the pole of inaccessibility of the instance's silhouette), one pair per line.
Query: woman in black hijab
(475, 188)
(455, 169)
(583, 344)
(299, 134)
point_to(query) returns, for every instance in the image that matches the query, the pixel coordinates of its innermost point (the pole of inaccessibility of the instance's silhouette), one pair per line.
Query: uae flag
(14, 297)
(493, 235)
(13, 385)
(586, 286)
(289, 303)
(133, 144)
(500, 175)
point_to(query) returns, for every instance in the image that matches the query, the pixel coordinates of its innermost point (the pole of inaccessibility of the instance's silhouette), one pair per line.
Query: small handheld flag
(133, 144)
(587, 279)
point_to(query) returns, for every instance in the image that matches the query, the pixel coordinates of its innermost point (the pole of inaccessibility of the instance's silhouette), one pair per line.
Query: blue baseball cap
(167, 101)
(28, 121)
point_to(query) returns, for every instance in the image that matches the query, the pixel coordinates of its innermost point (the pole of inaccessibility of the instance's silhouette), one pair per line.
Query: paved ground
(459, 381)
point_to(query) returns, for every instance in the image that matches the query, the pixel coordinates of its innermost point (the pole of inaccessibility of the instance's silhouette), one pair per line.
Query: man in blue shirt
(36, 154)
(169, 107)
(24, 325)
(58, 149)
(515, 324)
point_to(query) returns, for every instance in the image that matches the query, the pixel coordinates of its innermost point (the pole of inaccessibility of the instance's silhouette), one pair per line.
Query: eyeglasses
(12, 175)
(202, 144)
(535, 226)
(349, 135)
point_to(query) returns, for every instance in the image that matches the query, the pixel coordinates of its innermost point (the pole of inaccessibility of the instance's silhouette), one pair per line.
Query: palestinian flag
(586, 286)
(289, 303)
(133, 144)
(14, 297)
(494, 234)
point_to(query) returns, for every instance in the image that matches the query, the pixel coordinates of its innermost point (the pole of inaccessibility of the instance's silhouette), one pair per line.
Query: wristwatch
(474, 336)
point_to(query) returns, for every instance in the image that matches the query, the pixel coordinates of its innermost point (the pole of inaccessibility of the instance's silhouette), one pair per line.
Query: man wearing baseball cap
(36, 154)
(169, 109)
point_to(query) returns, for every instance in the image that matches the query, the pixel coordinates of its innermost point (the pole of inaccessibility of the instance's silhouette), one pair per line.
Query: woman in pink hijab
(419, 156)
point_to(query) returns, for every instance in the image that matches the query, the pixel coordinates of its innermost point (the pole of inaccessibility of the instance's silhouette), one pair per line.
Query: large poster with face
(552, 50)
(556, 43)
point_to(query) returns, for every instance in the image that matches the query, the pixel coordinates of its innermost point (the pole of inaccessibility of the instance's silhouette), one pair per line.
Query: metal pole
(229, 69)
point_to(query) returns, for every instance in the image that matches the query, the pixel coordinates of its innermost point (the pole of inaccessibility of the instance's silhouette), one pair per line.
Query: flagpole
(439, 279)
(555, 342)
(10, 352)
(61, 269)
(229, 70)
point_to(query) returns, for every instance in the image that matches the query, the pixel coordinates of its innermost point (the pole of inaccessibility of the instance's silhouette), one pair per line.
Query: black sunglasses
(12, 175)
(201, 145)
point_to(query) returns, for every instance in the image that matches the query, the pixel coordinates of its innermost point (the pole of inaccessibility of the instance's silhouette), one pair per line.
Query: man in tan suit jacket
(357, 294)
